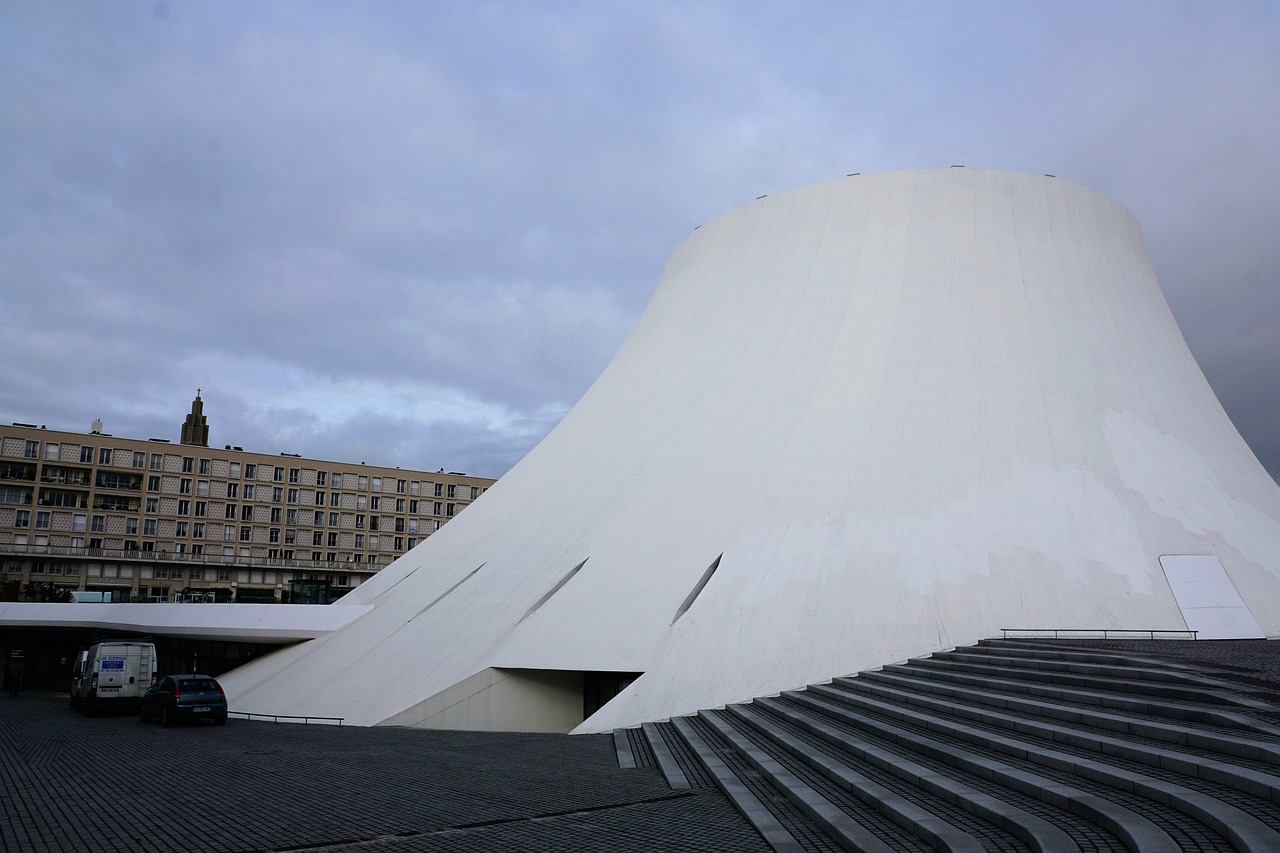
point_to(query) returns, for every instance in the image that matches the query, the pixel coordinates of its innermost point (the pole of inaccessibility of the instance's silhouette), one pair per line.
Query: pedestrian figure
(13, 673)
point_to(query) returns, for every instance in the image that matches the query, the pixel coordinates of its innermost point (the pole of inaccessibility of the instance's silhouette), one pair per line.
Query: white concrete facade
(858, 422)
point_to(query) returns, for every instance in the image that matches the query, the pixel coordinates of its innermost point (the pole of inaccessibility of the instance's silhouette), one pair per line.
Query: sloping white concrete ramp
(858, 422)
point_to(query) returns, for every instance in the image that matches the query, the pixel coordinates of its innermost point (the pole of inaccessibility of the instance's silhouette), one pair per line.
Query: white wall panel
(903, 410)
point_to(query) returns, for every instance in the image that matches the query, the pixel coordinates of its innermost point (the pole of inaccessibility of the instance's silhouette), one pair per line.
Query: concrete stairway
(1010, 745)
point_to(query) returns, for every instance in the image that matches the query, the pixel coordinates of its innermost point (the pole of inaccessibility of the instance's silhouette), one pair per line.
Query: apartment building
(122, 519)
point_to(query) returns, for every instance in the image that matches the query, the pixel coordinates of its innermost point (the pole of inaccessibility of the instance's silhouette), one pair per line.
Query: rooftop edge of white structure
(858, 422)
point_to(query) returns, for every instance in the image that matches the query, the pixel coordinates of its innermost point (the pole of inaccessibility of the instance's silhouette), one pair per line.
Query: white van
(113, 674)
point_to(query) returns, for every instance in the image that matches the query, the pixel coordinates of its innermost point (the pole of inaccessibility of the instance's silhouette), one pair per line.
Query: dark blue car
(176, 698)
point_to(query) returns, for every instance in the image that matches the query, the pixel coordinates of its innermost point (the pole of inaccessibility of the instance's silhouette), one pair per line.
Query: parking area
(112, 783)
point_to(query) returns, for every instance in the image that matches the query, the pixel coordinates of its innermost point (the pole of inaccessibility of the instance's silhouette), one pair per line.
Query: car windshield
(203, 685)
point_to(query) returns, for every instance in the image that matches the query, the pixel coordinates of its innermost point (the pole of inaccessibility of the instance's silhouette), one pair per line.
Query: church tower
(195, 431)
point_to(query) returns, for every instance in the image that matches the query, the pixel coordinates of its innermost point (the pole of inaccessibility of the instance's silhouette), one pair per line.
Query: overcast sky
(413, 233)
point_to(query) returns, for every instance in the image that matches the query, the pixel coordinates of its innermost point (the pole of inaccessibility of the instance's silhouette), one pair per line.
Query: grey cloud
(425, 229)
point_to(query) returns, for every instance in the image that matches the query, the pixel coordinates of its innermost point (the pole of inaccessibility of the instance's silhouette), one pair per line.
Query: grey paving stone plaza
(76, 783)
(1014, 745)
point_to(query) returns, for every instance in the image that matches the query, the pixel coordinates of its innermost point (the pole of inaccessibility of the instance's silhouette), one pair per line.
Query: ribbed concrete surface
(1011, 745)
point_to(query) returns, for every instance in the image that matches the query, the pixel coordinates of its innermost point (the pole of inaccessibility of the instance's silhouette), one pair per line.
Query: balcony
(111, 503)
(124, 482)
(17, 471)
(65, 476)
(69, 500)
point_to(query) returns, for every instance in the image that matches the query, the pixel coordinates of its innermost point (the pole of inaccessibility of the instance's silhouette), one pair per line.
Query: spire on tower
(195, 431)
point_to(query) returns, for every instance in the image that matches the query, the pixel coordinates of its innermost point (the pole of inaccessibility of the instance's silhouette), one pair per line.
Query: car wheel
(165, 718)
(222, 720)
(142, 713)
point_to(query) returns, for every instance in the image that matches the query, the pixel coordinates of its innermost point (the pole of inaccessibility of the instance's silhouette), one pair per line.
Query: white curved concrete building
(858, 421)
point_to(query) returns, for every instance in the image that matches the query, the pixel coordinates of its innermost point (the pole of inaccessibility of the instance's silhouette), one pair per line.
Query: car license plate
(201, 709)
(106, 689)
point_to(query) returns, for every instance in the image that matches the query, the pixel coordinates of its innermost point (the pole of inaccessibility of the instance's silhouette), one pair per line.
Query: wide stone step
(1012, 745)
(1150, 688)
(862, 768)
(1089, 801)
(777, 821)
(1160, 787)
(1126, 670)
(1053, 650)
(1184, 711)
(853, 827)
(1257, 781)
(1234, 744)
